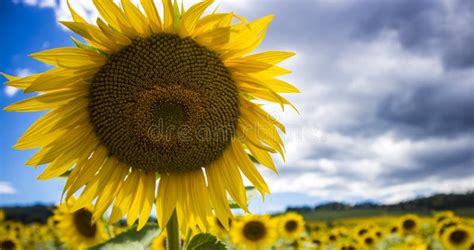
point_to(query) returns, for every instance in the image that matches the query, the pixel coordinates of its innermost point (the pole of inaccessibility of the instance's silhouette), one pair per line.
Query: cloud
(38, 3)
(11, 91)
(6, 188)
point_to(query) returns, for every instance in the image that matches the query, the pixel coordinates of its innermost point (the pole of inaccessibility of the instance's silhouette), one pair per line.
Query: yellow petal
(166, 198)
(148, 199)
(47, 101)
(70, 57)
(20, 82)
(93, 35)
(136, 18)
(218, 196)
(152, 15)
(139, 198)
(55, 79)
(76, 17)
(120, 39)
(168, 14)
(248, 168)
(109, 191)
(191, 17)
(271, 57)
(262, 156)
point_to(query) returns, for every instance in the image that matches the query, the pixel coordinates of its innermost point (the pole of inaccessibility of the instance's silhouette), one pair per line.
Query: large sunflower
(149, 97)
(75, 228)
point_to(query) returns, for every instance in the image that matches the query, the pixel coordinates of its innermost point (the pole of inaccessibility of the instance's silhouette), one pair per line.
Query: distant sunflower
(76, 228)
(443, 215)
(458, 237)
(445, 224)
(369, 240)
(291, 226)
(409, 224)
(150, 97)
(9, 242)
(254, 232)
(394, 228)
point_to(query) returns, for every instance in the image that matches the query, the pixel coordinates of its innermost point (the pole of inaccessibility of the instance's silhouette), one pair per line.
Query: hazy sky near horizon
(386, 104)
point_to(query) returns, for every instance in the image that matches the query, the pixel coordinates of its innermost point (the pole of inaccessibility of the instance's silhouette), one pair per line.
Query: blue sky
(386, 103)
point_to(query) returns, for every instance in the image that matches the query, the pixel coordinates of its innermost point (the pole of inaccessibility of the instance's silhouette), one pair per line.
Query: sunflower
(318, 240)
(409, 224)
(443, 215)
(2, 215)
(369, 240)
(291, 226)
(76, 228)
(254, 232)
(9, 242)
(178, 97)
(395, 228)
(444, 225)
(457, 237)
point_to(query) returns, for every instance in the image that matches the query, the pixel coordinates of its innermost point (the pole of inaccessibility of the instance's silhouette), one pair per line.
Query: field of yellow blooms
(443, 230)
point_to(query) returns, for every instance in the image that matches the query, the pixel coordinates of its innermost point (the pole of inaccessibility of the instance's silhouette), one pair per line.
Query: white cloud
(22, 72)
(6, 188)
(38, 3)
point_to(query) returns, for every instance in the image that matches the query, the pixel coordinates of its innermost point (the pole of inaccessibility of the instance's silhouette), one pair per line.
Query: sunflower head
(291, 225)
(409, 224)
(76, 228)
(458, 237)
(8, 242)
(254, 232)
(177, 96)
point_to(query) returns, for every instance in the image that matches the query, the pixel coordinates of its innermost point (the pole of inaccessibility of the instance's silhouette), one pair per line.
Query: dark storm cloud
(443, 109)
(448, 163)
(425, 25)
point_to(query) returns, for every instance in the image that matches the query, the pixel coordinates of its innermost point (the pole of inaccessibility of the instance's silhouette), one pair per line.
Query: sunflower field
(74, 230)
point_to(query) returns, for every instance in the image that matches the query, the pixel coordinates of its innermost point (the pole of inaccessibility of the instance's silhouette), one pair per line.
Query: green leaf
(177, 14)
(87, 47)
(205, 241)
(132, 239)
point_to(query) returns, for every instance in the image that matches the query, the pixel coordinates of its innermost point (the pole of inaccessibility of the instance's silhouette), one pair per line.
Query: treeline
(28, 214)
(435, 202)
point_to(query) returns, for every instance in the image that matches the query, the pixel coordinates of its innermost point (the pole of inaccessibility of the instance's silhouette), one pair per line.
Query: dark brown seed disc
(254, 230)
(83, 223)
(291, 225)
(164, 104)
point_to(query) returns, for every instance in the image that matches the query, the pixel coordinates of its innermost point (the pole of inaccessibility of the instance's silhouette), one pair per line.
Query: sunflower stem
(172, 230)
